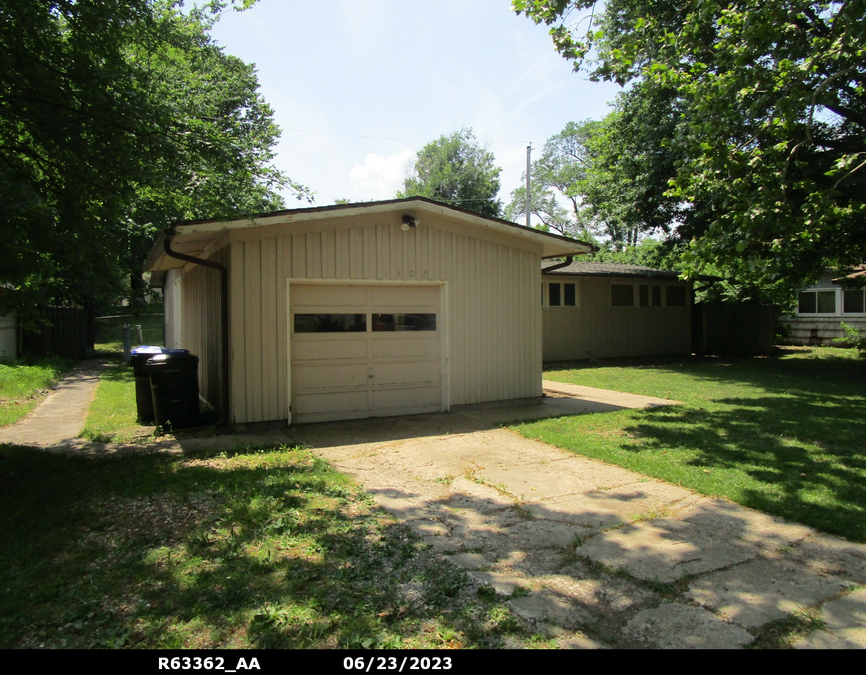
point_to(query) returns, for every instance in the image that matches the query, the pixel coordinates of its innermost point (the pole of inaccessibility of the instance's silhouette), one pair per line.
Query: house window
(853, 302)
(330, 323)
(570, 295)
(675, 296)
(817, 302)
(650, 296)
(622, 295)
(554, 292)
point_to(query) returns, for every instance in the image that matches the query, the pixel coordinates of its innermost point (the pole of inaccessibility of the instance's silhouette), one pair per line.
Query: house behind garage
(607, 310)
(360, 310)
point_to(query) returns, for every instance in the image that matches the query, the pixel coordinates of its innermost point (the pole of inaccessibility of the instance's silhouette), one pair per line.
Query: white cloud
(380, 177)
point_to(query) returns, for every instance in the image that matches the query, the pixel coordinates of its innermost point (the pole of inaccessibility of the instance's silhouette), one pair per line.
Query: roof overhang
(196, 237)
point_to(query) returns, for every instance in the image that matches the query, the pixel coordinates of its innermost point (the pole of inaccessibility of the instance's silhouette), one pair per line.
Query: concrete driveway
(593, 554)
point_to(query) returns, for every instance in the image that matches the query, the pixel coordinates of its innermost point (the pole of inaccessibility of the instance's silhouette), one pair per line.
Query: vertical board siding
(595, 329)
(493, 322)
(201, 316)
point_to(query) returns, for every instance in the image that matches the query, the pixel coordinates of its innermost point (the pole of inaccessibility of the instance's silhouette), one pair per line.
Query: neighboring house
(604, 310)
(358, 310)
(824, 306)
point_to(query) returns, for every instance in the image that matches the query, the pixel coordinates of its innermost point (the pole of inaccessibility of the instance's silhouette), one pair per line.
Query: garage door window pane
(330, 323)
(401, 322)
(621, 295)
(570, 295)
(555, 295)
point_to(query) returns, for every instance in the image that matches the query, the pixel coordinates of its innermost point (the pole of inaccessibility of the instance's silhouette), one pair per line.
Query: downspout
(224, 308)
(548, 270)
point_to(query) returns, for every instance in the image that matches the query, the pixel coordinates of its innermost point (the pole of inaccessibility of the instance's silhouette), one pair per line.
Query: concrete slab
(822, 554)
(598, 595)
(676, 626)
(824, 640)
(665, 549)
(606, 509)
(763, 590)
(617, 399)
(578, 641)
(770, 534)
(846, 618)
(549, 607)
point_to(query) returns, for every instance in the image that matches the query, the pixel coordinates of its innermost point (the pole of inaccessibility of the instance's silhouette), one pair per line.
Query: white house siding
(596, 329)
(201, 313)
(491, 308)
(171, 312)
(823, 328)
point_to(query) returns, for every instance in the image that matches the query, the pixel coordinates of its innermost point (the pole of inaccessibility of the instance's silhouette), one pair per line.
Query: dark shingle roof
(591, 269)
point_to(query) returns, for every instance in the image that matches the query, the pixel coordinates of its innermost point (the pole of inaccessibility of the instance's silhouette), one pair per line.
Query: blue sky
(359, 87)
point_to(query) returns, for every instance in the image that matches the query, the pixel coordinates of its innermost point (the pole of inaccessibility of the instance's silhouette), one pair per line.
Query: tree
(456, 170)
(767, 150)
(117, 117)
(559, 174)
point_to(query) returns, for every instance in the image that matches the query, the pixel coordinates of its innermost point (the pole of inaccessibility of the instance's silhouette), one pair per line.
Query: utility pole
(528, 170)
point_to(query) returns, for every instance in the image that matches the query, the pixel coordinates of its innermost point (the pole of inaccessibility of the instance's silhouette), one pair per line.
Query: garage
(358, 310)
(366, 350)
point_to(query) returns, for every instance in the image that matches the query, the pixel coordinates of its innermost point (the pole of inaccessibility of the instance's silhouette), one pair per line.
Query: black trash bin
(174, 386)
(143, 396)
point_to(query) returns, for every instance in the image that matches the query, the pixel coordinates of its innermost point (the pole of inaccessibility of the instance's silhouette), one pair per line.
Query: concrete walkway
(61, 416)
(592, 554)
(616, 399)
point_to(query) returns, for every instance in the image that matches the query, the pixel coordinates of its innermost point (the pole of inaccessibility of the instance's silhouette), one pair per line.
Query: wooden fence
(63, 333)
(733, 329)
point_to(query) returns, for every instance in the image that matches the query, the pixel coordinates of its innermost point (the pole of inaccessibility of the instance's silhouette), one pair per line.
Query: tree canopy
(751, 118)
(457, 170)
(118, 117)
(560, 173)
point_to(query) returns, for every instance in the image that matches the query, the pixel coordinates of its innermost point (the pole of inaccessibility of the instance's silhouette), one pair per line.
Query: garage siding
(494, 317)
(200, 332)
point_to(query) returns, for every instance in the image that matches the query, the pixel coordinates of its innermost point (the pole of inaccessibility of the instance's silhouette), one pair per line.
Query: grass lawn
(23, 384)
(112, 416)
(265, 548)
(785, 435)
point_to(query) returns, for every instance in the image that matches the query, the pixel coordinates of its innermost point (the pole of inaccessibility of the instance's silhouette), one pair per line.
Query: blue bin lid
(146, 349)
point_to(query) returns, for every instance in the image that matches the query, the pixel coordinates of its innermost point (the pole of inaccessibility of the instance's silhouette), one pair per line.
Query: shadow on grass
(266, 549)
(801, 456)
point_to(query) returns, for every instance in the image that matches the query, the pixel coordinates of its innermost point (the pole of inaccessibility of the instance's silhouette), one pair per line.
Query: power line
(375, 138)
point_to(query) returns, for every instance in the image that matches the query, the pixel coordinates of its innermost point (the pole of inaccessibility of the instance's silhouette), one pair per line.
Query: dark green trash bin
(174, 386)
(143, 395)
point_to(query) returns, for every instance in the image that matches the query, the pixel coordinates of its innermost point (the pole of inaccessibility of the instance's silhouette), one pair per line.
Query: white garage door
(365, 351)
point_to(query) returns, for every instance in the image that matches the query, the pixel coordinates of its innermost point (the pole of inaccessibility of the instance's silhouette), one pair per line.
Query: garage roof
(193, 237)
(591, 269)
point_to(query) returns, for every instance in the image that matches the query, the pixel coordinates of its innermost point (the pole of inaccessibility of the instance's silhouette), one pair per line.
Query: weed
(785, 632)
